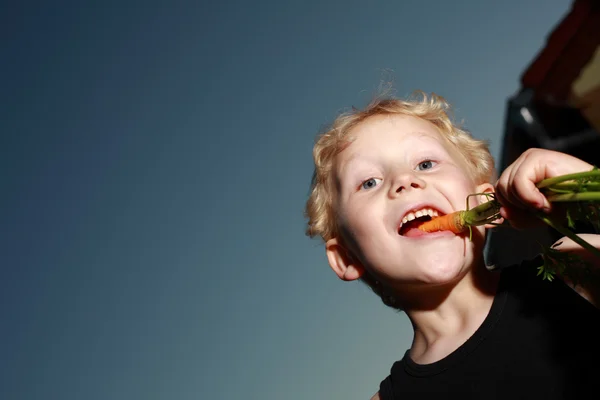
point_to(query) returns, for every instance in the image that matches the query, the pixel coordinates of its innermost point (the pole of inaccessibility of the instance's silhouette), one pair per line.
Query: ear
(341, 262)
(487, 188)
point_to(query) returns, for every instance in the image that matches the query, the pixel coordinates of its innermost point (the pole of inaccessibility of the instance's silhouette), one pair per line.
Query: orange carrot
(453, 222)
(460, 221)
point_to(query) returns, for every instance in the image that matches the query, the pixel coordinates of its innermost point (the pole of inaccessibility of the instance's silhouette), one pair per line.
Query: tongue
(414, 232)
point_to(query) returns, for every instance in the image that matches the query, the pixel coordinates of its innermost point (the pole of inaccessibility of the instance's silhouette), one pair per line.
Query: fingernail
(546, 205)
(503, 212)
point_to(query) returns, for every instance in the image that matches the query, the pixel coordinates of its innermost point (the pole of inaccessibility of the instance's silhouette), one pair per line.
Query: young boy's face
(397, 165)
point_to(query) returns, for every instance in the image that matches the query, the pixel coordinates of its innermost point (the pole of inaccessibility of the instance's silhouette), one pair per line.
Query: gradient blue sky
(155, 160)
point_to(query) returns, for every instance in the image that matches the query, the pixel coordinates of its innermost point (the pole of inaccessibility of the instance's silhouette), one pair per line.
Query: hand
(516, 190)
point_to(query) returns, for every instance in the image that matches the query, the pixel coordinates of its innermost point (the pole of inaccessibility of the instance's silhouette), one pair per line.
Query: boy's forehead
(392, 127)
(380, 131)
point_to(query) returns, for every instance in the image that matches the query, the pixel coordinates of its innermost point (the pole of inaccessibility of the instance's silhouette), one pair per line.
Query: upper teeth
(419, 213)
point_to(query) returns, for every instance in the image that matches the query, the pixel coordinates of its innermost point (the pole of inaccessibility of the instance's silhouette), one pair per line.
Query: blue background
(155, 161)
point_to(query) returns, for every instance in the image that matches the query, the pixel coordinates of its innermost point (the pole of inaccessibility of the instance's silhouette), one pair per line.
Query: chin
(441, 269)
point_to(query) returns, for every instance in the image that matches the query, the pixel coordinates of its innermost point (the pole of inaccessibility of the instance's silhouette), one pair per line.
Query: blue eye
(370, 183)
(427, 164)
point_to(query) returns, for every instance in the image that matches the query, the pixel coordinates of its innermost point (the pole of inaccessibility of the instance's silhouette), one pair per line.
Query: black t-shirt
(540, 340)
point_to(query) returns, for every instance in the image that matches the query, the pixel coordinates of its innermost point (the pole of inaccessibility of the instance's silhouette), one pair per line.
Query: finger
(504, 187)
(523, 179)
(502, 184)
(527, 193)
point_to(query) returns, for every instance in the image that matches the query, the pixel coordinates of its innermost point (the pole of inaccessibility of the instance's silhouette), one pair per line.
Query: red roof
(568, 49)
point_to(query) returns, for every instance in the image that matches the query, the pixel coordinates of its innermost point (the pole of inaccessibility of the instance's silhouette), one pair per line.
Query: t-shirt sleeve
(385, 389)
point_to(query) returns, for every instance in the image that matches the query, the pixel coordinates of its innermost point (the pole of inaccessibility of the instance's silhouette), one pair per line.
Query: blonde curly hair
(433, 108)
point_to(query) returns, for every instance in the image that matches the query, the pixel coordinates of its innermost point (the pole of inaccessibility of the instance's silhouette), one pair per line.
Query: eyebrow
(353, 160)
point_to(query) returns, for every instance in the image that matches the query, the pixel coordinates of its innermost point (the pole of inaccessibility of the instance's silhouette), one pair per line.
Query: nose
(406, 181)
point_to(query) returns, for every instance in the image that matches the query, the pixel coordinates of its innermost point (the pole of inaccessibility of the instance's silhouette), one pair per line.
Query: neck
(445, 316)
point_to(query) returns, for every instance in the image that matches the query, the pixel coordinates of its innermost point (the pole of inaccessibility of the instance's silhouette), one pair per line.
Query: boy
(476, 333)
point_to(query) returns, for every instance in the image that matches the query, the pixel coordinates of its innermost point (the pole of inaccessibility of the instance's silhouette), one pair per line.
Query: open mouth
(414, 224)
(411, 221)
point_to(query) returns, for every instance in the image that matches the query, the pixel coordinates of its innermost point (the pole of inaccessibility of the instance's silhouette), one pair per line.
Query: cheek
(463, 191)
(358, 215)
(354, 226)
(365, 232)
(358, 227)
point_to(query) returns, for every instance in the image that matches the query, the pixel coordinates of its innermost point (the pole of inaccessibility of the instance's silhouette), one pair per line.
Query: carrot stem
(594, 173)
(568, 233)
(570, 187)
(572, 197)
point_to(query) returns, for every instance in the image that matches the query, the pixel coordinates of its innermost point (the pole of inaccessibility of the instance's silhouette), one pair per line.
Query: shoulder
(386, 390)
